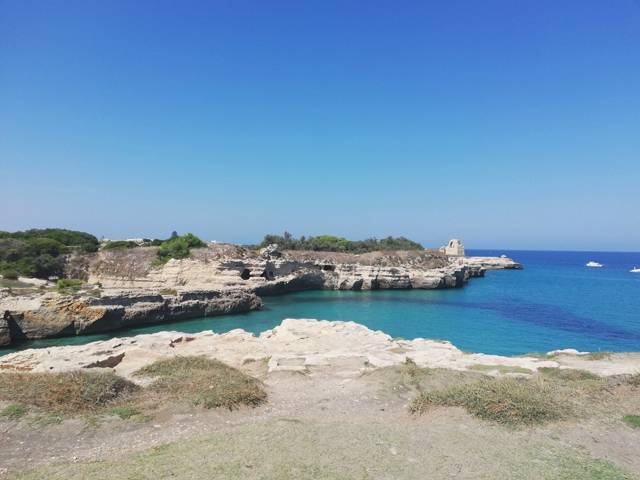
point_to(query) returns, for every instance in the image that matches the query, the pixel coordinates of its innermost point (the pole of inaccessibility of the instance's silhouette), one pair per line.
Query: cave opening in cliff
(246, 274)
(268, 274)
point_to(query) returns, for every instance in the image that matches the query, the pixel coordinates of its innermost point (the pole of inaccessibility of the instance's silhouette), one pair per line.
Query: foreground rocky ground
(339, 403)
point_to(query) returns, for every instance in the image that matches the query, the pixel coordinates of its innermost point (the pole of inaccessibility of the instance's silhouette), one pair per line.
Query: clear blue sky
(510, 124)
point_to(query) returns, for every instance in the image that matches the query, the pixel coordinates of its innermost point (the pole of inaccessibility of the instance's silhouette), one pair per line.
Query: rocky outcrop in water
(55, 315)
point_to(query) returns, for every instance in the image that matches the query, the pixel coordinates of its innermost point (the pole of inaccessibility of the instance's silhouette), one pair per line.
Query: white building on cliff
(455, 248)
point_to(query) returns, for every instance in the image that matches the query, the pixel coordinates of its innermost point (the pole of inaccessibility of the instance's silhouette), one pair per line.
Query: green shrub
(44, 245)
(510, 401)
(37, 253)
(9, 273)
(69, 285)
(205, 382)
(178, 247)
(119, 244)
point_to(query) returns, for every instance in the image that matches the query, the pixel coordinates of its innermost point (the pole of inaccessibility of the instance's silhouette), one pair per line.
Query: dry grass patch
(598, 356)
(510, 401)
(552, 394)
(568, 374)
(14, 411)
(68, 392)
(502, 369)
(634, 380)
(204, 382)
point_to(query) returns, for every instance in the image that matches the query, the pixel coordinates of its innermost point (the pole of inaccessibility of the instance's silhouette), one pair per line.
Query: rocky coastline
(346, 349)
(127, 289)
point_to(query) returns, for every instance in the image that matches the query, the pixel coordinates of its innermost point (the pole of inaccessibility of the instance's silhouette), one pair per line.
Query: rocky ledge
(344, 349)
(130, 290)
(54, 315)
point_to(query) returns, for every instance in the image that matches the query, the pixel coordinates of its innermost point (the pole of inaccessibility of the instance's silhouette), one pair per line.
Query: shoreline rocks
(345, 349)
(219, 279)
(55, 315)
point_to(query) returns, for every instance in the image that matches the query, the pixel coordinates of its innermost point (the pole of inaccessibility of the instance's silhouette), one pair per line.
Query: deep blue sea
(555, 302)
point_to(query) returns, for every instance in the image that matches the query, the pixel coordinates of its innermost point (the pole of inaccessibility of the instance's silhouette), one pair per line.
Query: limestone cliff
(54, 315)
(219, 279)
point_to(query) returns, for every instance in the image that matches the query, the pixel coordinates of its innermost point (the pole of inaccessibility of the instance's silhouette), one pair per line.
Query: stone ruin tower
(455, 248)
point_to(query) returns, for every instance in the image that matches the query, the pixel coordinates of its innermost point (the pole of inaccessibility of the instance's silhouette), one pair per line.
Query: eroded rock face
(64, 315)
(5, 334)
(271, 271)
(216, 280)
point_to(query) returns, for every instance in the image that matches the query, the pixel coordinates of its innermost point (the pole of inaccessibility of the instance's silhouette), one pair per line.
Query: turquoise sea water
(555, 302)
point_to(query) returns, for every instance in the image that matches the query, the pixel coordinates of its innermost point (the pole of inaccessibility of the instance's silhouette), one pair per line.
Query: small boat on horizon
(635, 270)
(593, 264)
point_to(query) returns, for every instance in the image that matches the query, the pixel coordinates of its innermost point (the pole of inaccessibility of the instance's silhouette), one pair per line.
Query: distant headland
(59, 282)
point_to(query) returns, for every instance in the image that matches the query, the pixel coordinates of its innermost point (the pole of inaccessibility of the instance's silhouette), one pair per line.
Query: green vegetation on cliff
(330, 243)
(116, 244)
(38, 252)
(178, 247)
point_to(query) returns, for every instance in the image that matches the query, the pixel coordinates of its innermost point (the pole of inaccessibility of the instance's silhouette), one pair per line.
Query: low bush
(178, 247)
(69, 285)
(119, 244)
(39, 252)
(510, 401)
(9, 273)
(68, 392)
(204, 382)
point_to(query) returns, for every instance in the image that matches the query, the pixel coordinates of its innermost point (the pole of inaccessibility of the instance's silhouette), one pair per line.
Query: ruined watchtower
(455, 248)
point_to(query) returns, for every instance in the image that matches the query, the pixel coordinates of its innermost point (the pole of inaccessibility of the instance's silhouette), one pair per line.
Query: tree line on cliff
(330, 243)
(40, 252)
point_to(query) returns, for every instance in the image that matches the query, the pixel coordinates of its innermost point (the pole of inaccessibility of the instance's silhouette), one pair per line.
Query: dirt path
(323, 426)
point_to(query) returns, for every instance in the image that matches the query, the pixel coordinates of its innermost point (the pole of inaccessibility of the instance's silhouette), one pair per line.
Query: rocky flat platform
(344, 349)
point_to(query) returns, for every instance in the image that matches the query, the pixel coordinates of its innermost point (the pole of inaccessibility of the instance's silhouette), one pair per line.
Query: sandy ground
(320, 425)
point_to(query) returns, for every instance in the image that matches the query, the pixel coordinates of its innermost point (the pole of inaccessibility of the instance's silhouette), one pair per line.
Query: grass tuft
(632, 420)
(569, 374)
(67, 392)
(509, 401)
(204, 382)
(124, 412)
(634, 380)
(14, 411)
(69, 286)
(502, 369)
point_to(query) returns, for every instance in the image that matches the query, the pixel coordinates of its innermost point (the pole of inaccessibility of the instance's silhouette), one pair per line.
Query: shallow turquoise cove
(555, 302)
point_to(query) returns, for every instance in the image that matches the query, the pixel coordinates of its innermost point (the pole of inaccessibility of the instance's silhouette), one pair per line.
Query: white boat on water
(593, 264)
(635, 270)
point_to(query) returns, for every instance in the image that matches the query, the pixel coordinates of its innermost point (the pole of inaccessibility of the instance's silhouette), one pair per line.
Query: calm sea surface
(555, 302)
